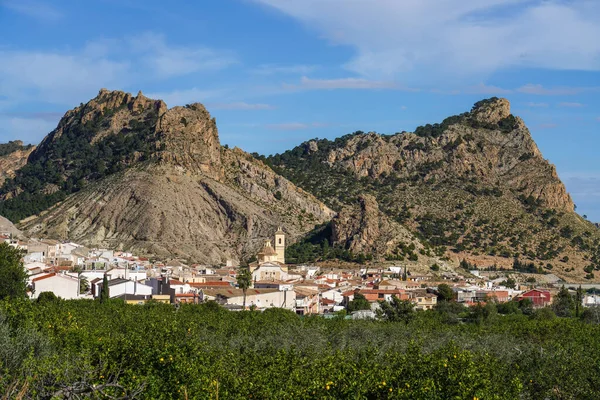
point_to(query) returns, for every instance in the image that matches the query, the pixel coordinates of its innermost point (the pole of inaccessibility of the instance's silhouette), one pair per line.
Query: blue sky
(277, 72)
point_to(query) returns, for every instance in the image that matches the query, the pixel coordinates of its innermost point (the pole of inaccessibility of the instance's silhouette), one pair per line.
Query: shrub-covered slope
(475, 186)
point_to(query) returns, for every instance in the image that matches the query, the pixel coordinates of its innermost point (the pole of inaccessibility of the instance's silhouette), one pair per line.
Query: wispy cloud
(346, 83)
(288, 126)
(240, 106)
(168, 60)
(69, 77)
(44, 116)
(34, 9)
(487, 89)
(548, 125)
(460, 38)
(27, 129)
(538, 89)
(272, 69)
(187, 96)
(296, 126)
(571, 105)
(537, 105)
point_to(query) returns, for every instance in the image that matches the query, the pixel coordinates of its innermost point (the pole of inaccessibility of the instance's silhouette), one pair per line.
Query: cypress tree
(104, 293)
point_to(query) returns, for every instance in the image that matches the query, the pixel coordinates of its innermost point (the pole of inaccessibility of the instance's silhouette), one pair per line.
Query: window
(279, 240)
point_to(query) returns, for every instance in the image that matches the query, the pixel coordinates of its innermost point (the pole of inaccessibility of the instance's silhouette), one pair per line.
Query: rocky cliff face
(13, 156)
(489, 156)
(189, 197)
(363, 228)
(188, 138)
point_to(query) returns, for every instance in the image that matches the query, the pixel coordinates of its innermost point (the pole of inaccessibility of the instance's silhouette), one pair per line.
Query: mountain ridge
(128, 172)
(474, 185)
(175, 191)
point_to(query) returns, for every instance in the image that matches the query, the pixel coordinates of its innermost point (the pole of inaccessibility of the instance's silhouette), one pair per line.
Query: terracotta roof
(214, 284)
(175, 282)
(43, 277)
(233, 292)
(267, 251)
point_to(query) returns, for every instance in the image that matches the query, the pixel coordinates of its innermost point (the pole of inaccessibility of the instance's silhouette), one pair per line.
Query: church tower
(280, 245)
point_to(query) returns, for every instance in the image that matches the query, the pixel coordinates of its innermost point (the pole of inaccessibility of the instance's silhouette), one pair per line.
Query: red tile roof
(215, 284)
(43, 277)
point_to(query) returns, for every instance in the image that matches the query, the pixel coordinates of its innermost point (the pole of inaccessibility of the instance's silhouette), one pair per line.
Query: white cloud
(537, 105)
(60, 78)
(531, 88)
(187, 96)
(487, 89)
(169, 61)
(571, 105)
(240, 106)
(345, 83)
(297, 126)
(70, 77)
(29, 130)
(459, 38)
(549, 125)
(34, 9)
(583, 184)
(272, 69)
(288, 126)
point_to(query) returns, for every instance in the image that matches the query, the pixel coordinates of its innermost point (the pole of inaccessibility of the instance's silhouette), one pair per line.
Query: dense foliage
(13, 277)
(64, 163)
(157, 351)
(12, 146)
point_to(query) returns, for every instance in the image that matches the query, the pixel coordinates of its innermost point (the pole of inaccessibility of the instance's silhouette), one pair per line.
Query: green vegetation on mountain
(12, 146)
(74, 155)
(87, 349)
(474, 186)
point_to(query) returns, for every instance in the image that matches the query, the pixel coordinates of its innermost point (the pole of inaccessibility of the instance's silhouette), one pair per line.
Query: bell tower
(280, 245)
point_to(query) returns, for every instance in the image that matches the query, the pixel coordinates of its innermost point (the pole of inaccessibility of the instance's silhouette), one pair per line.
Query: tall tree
(13, 277)
(359, 302)
(445, 292)
(578, 301)
(563, 304)
(104, 293)
(244, 280)
(396, 310)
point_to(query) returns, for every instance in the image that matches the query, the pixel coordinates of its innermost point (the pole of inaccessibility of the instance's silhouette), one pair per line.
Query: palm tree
(244, 280)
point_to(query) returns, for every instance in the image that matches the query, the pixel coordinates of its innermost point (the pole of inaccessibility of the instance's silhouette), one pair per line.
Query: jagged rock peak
(491, 110)
(191, 140)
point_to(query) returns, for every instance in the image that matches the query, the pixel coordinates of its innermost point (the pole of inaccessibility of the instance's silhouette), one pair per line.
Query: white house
(63, 286)
(118, 287)
(261, 298)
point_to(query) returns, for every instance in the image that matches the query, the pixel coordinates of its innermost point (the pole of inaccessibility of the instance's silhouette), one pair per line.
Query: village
(72, 271)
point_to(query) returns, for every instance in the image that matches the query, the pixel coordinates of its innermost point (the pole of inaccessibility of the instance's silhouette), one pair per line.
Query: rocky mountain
(363, 228)
(474, 186)
(13, 156)
(129, 173)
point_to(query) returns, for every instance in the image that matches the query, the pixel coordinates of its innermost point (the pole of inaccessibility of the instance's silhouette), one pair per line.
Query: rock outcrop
(13, 156)
(462, 150)
(188, 138)
(363, 228)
